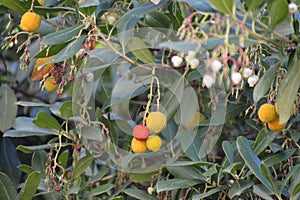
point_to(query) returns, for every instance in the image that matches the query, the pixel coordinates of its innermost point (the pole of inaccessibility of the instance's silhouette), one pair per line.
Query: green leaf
(262, 192)
(82, 165)
(25, 133)
(157, 19)
(224, 6)
(288, 88)
(30, 187)
(296, 190)
(7, 189)
(43, 120)
(63, 158)
(101, 189)
(51, 50)
(208, 193)
(97, 177)
(69, 51)
(277, 11)
(228, 150)
(92, 133)
(264, 83)
(18, 6)
(275, 159)
(140, 50)
(180, 45)
(25, 168)
(263, 140)
(138, 194)
(186, 172)
(251, 160)
(238, 187)
(31, 149)
(9, 160)
(294, 183)
(141, 177)
(266, 173)
(32, 104)
(253, 5)
(38, 161)
(8, 107)
(174, 184)
(62, 36)
(67, 108)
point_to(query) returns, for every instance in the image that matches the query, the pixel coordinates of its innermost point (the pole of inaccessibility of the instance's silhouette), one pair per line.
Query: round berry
(198, 118)
(267, 113)
(154, 143)
(141, 132)
(275, 126)
(50, 84)
(138, 146)
(30, 21)
(156, 121)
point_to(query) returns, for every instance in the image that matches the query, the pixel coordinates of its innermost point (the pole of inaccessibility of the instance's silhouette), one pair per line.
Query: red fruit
(141, 132)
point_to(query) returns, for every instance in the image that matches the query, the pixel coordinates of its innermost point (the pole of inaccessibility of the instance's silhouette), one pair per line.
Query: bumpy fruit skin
(138, 146)
(275, 126)
(198, 118)
(50, 84)
(154, 143)
(156, 121)
(30, 22)
(141, 132)
(39, 72)
(267, 113)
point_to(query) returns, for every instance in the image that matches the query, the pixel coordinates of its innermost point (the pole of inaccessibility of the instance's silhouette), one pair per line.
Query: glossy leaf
(224, 6)
(141, 177)
(262, 192)
(18, 6)
(253, 5)
(51, 50)
(238, 187)
(38, 161)
(263, 140)
(31, 149)
(157, 19)
(101, 189)
(44, 120)
(62, 36)
(31, 184)
(278, 11)
(69, 51)
(7, 189)
(174, 184)
(251, 160)
(264, 83)
(25, 168)
(82, 165)
(8, 107)
(138, 194)
(9, 160)
(140, 50)
(275, 159)
(31, 104)
(25, 133)
(288, 88)
(227, 148)
(63, 158)
(203, 5)
(208, 193)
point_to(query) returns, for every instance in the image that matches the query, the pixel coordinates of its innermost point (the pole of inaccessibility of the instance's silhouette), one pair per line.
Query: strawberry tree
(149, 99)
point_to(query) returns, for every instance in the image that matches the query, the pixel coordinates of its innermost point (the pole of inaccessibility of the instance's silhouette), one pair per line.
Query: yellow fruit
(156, 121)
(267, 112)
(30, 21)
(275, 126)
(39, 72)
(41, 2)
(153, 143)
(198, 118)
(50, 84)
(138, 146)
(292, 112)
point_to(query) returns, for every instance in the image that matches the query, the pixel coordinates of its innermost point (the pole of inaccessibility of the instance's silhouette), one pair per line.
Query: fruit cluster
(268, 113)
(143, 141)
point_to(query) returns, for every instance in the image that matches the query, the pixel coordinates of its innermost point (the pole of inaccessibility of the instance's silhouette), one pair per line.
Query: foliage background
(45, 154)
